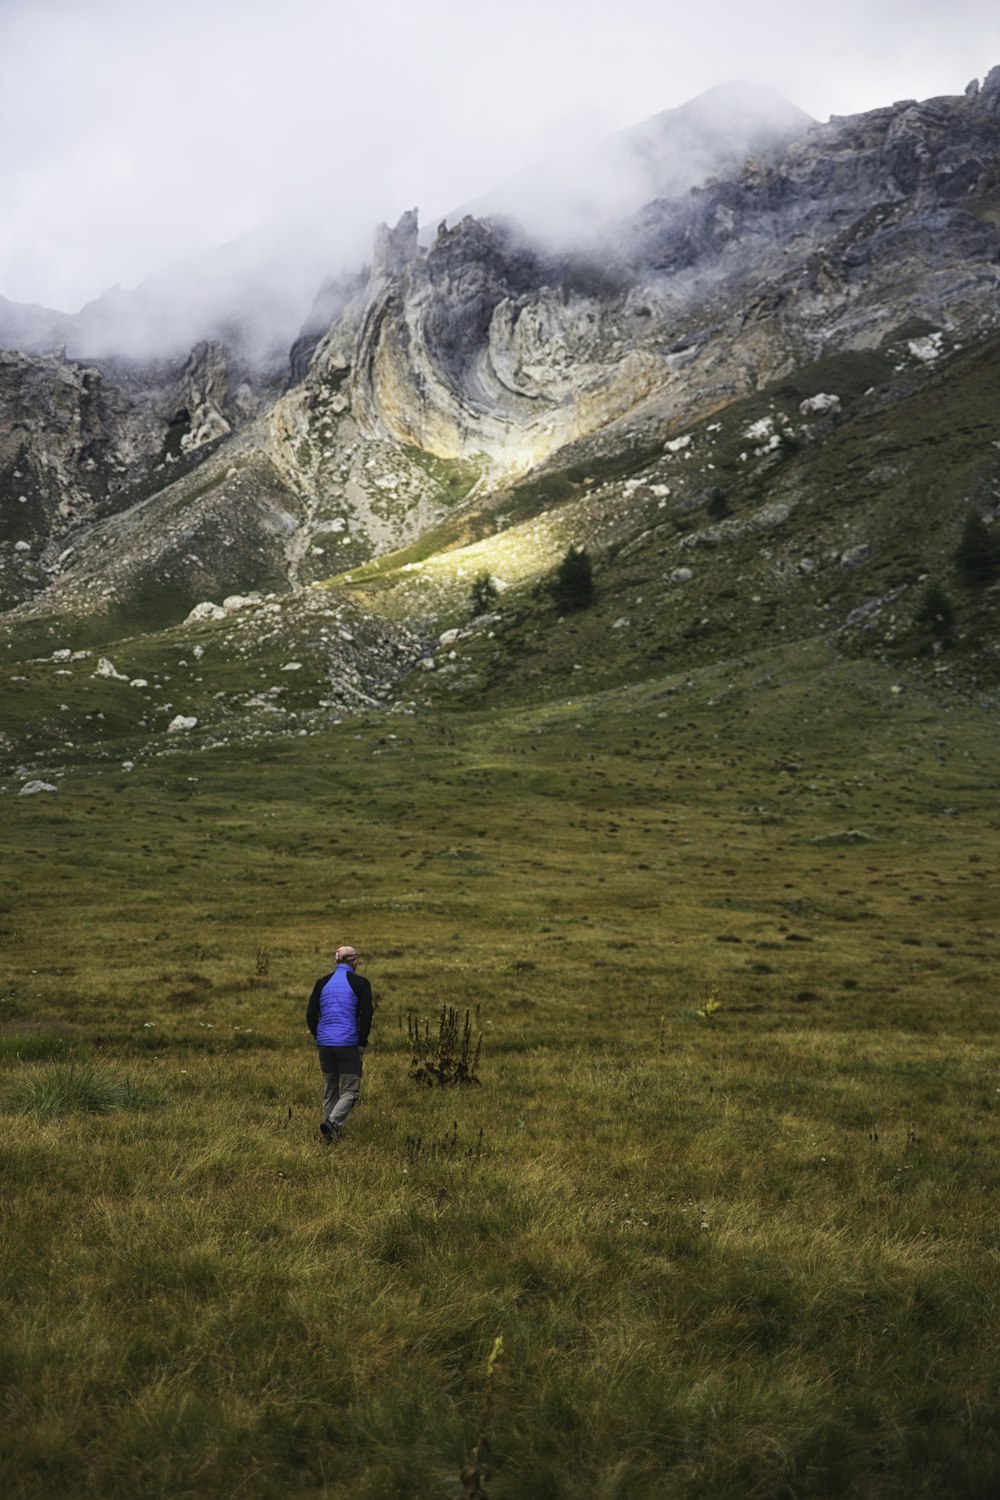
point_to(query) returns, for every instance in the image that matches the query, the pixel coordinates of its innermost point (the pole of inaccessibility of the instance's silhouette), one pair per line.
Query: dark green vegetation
(573, 587)
(483, 594)
(732, 1249)
(977, 555)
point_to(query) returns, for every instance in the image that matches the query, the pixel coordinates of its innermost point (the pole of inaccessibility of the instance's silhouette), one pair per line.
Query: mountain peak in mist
(578, 189)
(251, 294)
(254, 293)
(719, 128)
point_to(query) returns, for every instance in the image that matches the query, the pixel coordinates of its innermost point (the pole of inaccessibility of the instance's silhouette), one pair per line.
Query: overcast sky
(132, 133)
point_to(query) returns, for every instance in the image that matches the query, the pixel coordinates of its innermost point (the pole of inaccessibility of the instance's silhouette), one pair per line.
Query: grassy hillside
(764, 523)
(758, 525)
(728, 1185)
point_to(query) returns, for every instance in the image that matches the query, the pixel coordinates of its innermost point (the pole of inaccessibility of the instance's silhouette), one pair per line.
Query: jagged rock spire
(989, 94)
(395, 249)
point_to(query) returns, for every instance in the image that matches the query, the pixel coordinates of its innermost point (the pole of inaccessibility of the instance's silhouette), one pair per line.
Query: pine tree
(977, 555)
(483, 594)
(936, 612)
(574, 583)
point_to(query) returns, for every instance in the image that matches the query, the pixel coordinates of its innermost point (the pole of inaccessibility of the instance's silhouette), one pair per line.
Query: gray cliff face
(441, 374)
(485, 346)
(422, 371)
(79, 442)
(329, 310)
(70, 441)
(205, 394)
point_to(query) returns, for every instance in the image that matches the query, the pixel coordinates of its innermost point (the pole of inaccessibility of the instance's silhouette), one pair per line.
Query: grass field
(728, 1188)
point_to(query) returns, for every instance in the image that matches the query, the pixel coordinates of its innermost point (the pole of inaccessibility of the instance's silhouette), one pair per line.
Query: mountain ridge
(570, 198)
(481, 404)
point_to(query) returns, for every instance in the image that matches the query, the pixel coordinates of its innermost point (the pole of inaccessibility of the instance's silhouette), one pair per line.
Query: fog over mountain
(252, 293)
(256, 292)
(585, 185)
(447, 371)
(252, 152)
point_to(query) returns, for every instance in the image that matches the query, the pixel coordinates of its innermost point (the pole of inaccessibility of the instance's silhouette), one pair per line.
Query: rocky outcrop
(79, 442)
(69, 442)
(444, 372)
(988, 96)
(329, 311)
(350, 300)
(223, 528)
(486, 346)
(204, 392)
(396, 249)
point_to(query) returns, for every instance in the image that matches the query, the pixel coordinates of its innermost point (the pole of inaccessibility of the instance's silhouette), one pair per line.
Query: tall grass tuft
(74, 1088)
(447, 1057)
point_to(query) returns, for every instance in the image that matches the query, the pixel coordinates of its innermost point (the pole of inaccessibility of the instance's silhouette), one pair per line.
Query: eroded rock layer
(442, 375)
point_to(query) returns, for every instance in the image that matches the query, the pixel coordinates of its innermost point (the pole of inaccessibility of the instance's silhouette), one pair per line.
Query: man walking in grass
(339, 1015)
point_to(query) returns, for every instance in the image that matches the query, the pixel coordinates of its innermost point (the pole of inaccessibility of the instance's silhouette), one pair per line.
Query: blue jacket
(339, 1013)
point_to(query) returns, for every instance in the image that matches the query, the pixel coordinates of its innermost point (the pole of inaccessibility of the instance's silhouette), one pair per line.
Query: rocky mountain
(484, 346)
(81, 441)
(575, 191)
(767, 399)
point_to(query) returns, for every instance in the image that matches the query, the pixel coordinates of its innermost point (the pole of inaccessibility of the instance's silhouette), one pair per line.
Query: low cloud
(163, 145)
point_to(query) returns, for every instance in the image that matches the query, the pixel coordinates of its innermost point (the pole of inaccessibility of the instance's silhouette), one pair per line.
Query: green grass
(455, 478)
(71, 1088)
(34, 1046)
(751, 1252)
(718, 888)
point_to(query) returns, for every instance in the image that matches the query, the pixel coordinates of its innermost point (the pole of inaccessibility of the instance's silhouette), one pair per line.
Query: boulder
(106, 668)
(205, 611)
(822, 404)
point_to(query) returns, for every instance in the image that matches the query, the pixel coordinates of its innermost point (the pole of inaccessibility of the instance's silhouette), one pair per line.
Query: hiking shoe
(329, 1131)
